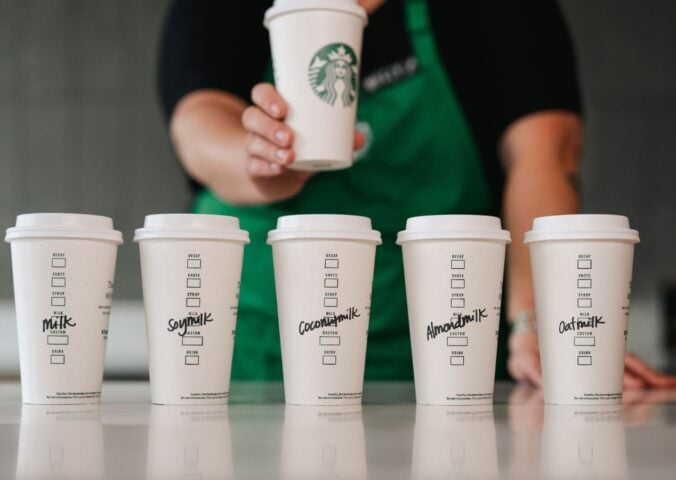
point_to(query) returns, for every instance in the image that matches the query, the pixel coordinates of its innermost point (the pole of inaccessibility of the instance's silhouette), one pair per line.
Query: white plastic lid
(581, 227)
(281, 7)
(454, 227)
(191, 226)
(63, 225)
(333, 227)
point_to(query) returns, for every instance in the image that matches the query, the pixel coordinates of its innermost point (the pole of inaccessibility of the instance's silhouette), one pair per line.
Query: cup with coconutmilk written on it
(323, 278)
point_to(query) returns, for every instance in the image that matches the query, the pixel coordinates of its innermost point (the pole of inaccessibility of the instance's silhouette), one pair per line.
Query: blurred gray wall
(80, 129)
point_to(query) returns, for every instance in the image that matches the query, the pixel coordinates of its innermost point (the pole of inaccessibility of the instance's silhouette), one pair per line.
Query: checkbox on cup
(58, 263)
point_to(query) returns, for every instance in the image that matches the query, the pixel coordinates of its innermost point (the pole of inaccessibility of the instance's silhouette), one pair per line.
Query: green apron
(422, 160)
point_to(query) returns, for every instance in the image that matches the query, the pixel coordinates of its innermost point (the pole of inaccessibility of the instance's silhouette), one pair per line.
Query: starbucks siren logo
(333, 73)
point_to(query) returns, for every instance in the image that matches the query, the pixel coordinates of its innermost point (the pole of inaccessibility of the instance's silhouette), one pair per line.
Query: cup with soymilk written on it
(191, 267)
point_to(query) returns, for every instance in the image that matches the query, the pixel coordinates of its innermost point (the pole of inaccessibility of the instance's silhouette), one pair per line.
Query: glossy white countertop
(257, 437)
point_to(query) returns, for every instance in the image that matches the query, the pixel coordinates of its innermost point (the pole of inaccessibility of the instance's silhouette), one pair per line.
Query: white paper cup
(63, 266)
(323, 442)
(60, 442)
(191, 267)
(582, 282)
(316, 53)
(189, 442)
(323, 277)
(453, 266)
(584, 442)
(454, 442)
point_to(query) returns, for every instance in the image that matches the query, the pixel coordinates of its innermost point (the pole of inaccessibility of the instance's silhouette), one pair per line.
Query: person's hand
(638, 374)
(524, 358)
(524, 365)
(269, 145)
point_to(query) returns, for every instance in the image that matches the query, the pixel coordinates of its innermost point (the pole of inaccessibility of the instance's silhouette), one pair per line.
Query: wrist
(523, 321)
(523, 331)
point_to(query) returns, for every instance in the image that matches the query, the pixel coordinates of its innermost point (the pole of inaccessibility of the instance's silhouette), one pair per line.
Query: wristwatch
(523, 322)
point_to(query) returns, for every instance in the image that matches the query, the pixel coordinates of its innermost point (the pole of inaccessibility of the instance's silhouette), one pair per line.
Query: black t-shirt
(506, 59)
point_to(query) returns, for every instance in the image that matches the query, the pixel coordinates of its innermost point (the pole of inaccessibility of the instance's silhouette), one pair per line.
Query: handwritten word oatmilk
(323, 278)
(453, 266)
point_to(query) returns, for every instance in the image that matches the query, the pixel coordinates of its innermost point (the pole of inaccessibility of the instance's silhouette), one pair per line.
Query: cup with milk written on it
(64, 268)
(191, 267)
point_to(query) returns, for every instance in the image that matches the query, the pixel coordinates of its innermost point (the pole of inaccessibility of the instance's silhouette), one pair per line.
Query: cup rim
(144, 234)
(501, 236)
(191, 226)
(64, 226)
(277, 10)
(367, 237)
(453, 227)
(581, 227)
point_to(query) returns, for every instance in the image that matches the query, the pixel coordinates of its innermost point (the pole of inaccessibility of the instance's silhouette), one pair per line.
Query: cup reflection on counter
(189, 442)
(323, 442)
(60, 442)
(584, 442)
(454, 442)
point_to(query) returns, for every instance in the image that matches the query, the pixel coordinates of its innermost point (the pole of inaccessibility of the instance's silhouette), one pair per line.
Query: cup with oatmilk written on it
(316, 52)
(191, 267)
(64, 267)
(323, 277)
(453, 267)
(582, 268)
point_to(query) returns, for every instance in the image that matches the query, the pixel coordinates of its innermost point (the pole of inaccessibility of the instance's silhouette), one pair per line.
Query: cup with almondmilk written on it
(64, 267)
(191, 267)
(582, 268)
(316, 52)
(453, 267)
(323, 277)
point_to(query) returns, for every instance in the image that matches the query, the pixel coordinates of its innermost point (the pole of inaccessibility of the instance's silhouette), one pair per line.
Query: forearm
(531, 193)
(210, 141)
(541, 177)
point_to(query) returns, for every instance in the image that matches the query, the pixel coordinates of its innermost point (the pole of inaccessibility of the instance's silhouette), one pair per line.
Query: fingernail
(282, 136)
(283, 155)
(275, 167)
(275, 109)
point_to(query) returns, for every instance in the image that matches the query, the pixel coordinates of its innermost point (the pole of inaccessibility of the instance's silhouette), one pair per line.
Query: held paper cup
(453, 267)
(316, 53)
(323, 277)
(191, 267)
(582, 280)
(63, 266)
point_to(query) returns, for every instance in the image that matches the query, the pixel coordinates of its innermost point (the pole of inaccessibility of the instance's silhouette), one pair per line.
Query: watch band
(523, 322)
